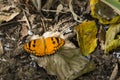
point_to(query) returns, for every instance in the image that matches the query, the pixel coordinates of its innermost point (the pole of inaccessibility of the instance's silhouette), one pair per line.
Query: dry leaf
(110, 42)
(67, 64)
(8, 17)
(59, 8)
(112, 45)
(114, 72)
(101, 37)
(103, 12)
(24, 31)
(86, 34)
(8, 13)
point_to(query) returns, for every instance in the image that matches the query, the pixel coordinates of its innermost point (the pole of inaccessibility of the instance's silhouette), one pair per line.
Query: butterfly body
(44, 46)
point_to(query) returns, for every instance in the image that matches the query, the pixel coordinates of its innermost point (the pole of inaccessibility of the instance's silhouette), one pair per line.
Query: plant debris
(22, 21)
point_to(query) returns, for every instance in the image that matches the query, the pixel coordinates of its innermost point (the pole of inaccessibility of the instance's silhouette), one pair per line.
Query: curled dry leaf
(86, 35)
(112, 45)
(110, 42)
(103, 12)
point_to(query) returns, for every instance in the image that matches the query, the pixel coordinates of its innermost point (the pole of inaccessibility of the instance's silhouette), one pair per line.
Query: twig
(11, 22)
(26, 19)
(114, 72)
(53, 11)
(75, 16)
(39, 5)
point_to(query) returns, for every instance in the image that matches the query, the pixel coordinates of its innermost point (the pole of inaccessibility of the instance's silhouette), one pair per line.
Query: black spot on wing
(34, 42)
(57, 40)
(52, 40)
(29, 44)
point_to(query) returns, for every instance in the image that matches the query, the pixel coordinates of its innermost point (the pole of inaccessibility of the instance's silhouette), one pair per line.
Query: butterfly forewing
(52, 44)
(35, 47)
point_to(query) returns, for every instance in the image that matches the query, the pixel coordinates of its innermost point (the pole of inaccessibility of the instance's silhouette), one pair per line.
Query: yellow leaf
(112, 45)
(86, 34)
(111, 42)
(103, 12)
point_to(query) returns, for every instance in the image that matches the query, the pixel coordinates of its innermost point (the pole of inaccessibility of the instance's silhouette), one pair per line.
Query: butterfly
(44, 46)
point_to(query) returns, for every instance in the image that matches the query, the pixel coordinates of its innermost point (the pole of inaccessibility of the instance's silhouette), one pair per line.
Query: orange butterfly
(44, 46)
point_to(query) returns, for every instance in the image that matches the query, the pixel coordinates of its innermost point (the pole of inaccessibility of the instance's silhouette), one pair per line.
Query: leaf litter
(39, 18)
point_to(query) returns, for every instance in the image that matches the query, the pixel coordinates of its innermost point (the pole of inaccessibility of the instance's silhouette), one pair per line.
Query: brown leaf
(24, 31)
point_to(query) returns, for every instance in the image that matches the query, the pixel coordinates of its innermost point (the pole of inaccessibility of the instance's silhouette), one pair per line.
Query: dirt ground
(16, 64)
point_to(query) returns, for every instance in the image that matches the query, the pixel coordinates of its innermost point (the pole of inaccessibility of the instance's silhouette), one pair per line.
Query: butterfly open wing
(41, 47)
